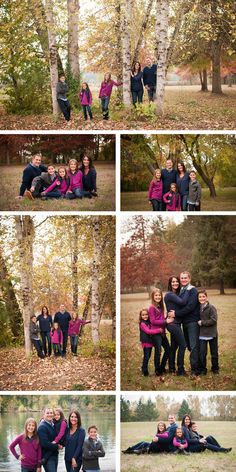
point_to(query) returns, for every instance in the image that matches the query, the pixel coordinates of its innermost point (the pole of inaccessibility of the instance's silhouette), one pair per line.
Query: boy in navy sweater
(32, 170)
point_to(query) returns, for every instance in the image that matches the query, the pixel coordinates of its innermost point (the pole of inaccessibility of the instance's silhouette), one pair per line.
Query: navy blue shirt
(74, 445)
(45, 324)
(63, 320)
(89, 180)
(191, 311)
(183, 184)
(136, 82)
(168, 177)
(150, 75)
(29, 173)
(47, 434)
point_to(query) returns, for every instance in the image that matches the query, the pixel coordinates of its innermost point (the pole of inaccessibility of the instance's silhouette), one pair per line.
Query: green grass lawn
(225, 200)
(207, 461)
(11, 180)
(131, 351)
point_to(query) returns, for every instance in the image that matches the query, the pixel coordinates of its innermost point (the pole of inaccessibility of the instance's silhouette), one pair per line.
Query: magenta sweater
(84, 99)
(56, 336)
(63, 187)
(175, 206)
(62, 431)
(148, 331)
(76, 180)
(106, 88)
(162, 435)
(180, 441)
(157, 318)
(31, 450)
(74, 326)
(155, 190)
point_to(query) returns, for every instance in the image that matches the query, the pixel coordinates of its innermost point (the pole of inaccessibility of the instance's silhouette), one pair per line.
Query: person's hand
(21, 457)
(58, 183)
(199, 323)
(197, 204)
(155, 439)
(146, 87)
(43, 194)
(169, 320)
(161, 330)
(150, 202)
(32, 189)
(69, 191)
(202, 440)
(18, 197)
(171, 314)
(181, 446)
(73, 463)
(38, 469)
(60, 446)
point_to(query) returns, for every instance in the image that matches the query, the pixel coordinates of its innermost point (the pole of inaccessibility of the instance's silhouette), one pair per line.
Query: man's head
(48, 413)
(62, 308)
(36, 160)
(169, 164)
(185, 278)
(171, 418)
(149, 61)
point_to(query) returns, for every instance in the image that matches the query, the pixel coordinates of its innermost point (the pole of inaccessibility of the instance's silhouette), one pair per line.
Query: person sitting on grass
(34, 337)
(89, 175)
(208, 334)
(41, 183)
(180, 443)
(155, 191)
(32, 170)
(208, 442)
(76, 182)
(92, 450)
(85, 97)
(172, 199)
(64, 104)
(57, 339)
(195, 192)
(59, 187)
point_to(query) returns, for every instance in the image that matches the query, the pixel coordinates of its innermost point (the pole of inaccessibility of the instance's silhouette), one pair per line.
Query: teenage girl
(59, 187)
(157, 320)
(75, 175)
(30, 449)
(73, 331)
(105, 93)
(145, 337)
(155, 191)
(85, 97)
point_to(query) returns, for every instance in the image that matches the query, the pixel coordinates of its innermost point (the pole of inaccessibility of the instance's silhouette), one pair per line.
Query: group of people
(177, 440)
(192, 323)
(54, 332)
(76, 181)
(175, 190)
(39, 445)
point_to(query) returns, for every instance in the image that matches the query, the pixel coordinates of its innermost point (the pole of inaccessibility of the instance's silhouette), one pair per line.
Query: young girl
(30, 450)
(86, 100)
(57, 339)
(208, 334)
(145, 337)
(92, 450)
(105, 93)
(172, 199)
(161, 430)
(179, 442)
(59, 187)
(73, 331)
(60, 425)
(155, 191)
(157, 320)
(75, 175)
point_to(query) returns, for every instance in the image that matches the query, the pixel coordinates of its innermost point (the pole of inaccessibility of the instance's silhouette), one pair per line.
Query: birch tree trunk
(25, 236)
(143, 28)
(75, 266)
(119, 56)
(52, 43)
(95, 281)
(73, 36)
(125, 28)
(162, 16)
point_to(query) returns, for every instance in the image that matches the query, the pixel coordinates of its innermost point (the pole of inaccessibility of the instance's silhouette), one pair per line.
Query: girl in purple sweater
(60, 425)
(75, 175)
(57, 339)
(105, 93)
(30, 450)
(85, 97)
(146, 333)
(179, 442)
(155, 191)
(59, 187)
(73, 331)
(157, 320)
(172, 199)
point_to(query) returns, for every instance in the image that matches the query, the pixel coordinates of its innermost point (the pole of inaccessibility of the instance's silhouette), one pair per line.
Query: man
(63, 317)
(168, 176)
(190, 315)
(41, 182)
(47, 434)
(150, 79)
(166, 444)
(32, 170)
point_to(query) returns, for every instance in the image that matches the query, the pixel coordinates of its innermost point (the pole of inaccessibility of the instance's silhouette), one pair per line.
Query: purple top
(180, 441)
(155, 190)
(62, 431)
(56, 336)
(63, 187)
(29, 448)
(76, 180)
(74, 326)
(172, 201)
(162, 435)
(156, 317)
(106, 88)
(148, 330)
(83, 96)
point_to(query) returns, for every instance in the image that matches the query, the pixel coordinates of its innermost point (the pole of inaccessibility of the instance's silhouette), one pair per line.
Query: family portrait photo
(178, 172)
(57, 433)
(57, 172)
(57, 306)
(177, 297)
(178, 432)
(140, 64)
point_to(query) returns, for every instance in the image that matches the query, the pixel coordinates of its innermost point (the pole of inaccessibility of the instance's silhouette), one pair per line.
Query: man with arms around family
(32, 170)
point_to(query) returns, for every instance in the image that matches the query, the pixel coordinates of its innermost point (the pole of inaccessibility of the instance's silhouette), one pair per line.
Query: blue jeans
(137, 446)
(65, 108)
(74, 343)
(191, 334)
(137, 96)
(147, 351)
(26, 469)
(77, 193)
(184, 202)
(39, 347)
(151, 92)
(105, 104)
(177, 342)
(69, 466)
(46, 340)
(54, 194)
(57, 349)
(51, 465)
(156, 205)
(87, 111)
(160, 341)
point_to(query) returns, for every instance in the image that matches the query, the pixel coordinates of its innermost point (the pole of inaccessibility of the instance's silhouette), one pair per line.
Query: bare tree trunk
(52, 53)
(9, 297)
(25, 235)
(183, 8)
(73, 36)
(86, 309)
(126, 20)
(143, 28)
(119, 56)
(216, 77)
(75, 266)
(162, 16)
(95, 281)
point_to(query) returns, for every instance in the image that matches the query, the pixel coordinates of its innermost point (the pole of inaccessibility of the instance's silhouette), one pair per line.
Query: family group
(54, 332)
(40, 446)
(78, 181)
(174, 190)
(177, 440)
(192, 323)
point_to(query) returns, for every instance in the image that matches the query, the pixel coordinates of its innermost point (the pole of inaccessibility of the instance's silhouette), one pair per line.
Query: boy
(34, 336)
(92, 450)
(208, 333)
(41, 182)
(63, 102)
(195, 191)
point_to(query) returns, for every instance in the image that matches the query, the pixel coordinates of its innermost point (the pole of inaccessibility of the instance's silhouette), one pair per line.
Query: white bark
(95, 318)
(52, 43)
(126, 12)
(162, 16)
(73, 36)
(142, 29)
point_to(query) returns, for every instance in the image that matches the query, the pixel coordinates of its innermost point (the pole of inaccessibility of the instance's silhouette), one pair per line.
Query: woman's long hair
(62, 417)
(182, 164)
(183, 420)
(90, 161)
(158, 424)
(161, 303)
(133, 67)
(169, 288)
(78, 417)
(35, 434)
(44, 306)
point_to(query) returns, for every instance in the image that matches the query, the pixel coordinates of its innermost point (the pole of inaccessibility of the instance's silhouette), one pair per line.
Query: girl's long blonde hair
(30, 420)
(161, 303)
(74, 161)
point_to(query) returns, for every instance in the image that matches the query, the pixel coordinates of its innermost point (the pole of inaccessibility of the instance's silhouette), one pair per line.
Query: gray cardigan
(209, 321)
(43, 180)
(91, 452)
(62, 89)
(195, 192)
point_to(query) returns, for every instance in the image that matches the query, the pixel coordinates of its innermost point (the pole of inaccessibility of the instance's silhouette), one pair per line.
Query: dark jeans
(51, 465)
(184, 203)
(136, 447)
(46, 340)
(78, 193)
(211, 440)
(26, 469)
(65, 339)
(54, 194)
(194, 207)
(87, 111)
(177, 342)
(213, 343)
(105, 104)
(151, 92)
(191, 334)
(57, 349)
(137, 96)
(146, 356)
(74, 343)
(37, 189)
(65, 108)
(39, 347)
(69, 466)
(160, 341)
(156, 205)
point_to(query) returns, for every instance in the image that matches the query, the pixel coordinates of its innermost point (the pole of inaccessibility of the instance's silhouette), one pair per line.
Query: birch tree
(125, 28)
(75, 264)
(52, 43)
(162, 16)
(143, 28)
(95, 281)
(73, 36)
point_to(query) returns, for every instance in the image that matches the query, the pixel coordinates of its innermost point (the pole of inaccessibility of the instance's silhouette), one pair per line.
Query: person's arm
(150, 190)
(94, 179)
(153, 320)
(213, 318)
(51, 187)
(92, 454)
(62, 431)
(172, 297)
(199, 193)
(190, 306)
(12, 446)
(166, 197)
(78, 451)
(90, 98)
(35, 181)
(39, 456)
(150, 331)
(45, 443)
(118, 84)
(175, 442)
(26, 181)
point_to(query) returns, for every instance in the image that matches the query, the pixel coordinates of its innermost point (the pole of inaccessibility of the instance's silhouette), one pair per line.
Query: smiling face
(158, 174)
(157, 297)
(48, 414)
(187, 421)
(161, 427)
(51, 170)
(73, 166)
(173, 187)
(92, 433)
(86, 161)
(174, 284)
(194, 427)
(180, 167)
(169, 164)
(184, 279)
(144, 315)
(62, 308)
(149, 61)
(179, 433)
(171, 419)
(192, 176)
(36, 160)
(202, 297)
(73, 419)
(62, 172)
(30, 427)
(57, 415)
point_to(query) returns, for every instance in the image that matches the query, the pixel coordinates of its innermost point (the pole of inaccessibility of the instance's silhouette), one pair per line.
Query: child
(86, 100)
(179, 442)
(161, 430)
(60, 425)
(105, 93)
(145, 337)
(30, 449)
(208, 442)
(155, 191)
(73, 331)
(208, 333)
(63, 102)
(75, 175)
(92, 450)
(172, 199)
(57, 339)
(59, 187)
(195, 191)
(34, 336)
(157, 320)
(41, 182)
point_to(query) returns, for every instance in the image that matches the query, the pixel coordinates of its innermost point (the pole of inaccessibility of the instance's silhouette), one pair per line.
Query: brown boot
(28, 195)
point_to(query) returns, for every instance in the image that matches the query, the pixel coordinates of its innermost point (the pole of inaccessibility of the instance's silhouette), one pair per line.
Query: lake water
(12, 424)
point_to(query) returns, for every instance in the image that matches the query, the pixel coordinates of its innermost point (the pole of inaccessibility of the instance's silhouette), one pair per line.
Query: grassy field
(225, 201)
(206, 461)
(185, 108)
(131, 351)
(11, 180)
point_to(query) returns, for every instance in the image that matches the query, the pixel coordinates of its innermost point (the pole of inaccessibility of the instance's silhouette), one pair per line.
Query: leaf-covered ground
(185, 108)
(131, 351)
(53, 373)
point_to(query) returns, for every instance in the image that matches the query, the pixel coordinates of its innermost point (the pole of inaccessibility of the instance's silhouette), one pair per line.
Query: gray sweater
(62, 90)
(208, 317)
(43, 180)
(195, 192)
(92, 450)
(34, 330)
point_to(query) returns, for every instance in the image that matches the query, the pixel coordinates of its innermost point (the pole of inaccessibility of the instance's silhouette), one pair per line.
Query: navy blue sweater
(183, 184)
(29, 173)
(89, 180)
(63, 320)
(136, 82)
(47, 434)
(150, 75)
(191, 311)
(74, 445)
(45, 324)
(168, 442)
(168, 178)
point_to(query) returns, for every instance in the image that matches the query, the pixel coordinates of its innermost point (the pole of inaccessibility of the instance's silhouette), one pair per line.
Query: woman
(174, 301)
(89, 175)
(45, 325)
(74, 440)
(136, 83)
(30, 450)
(197, 442)
(183, 184)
